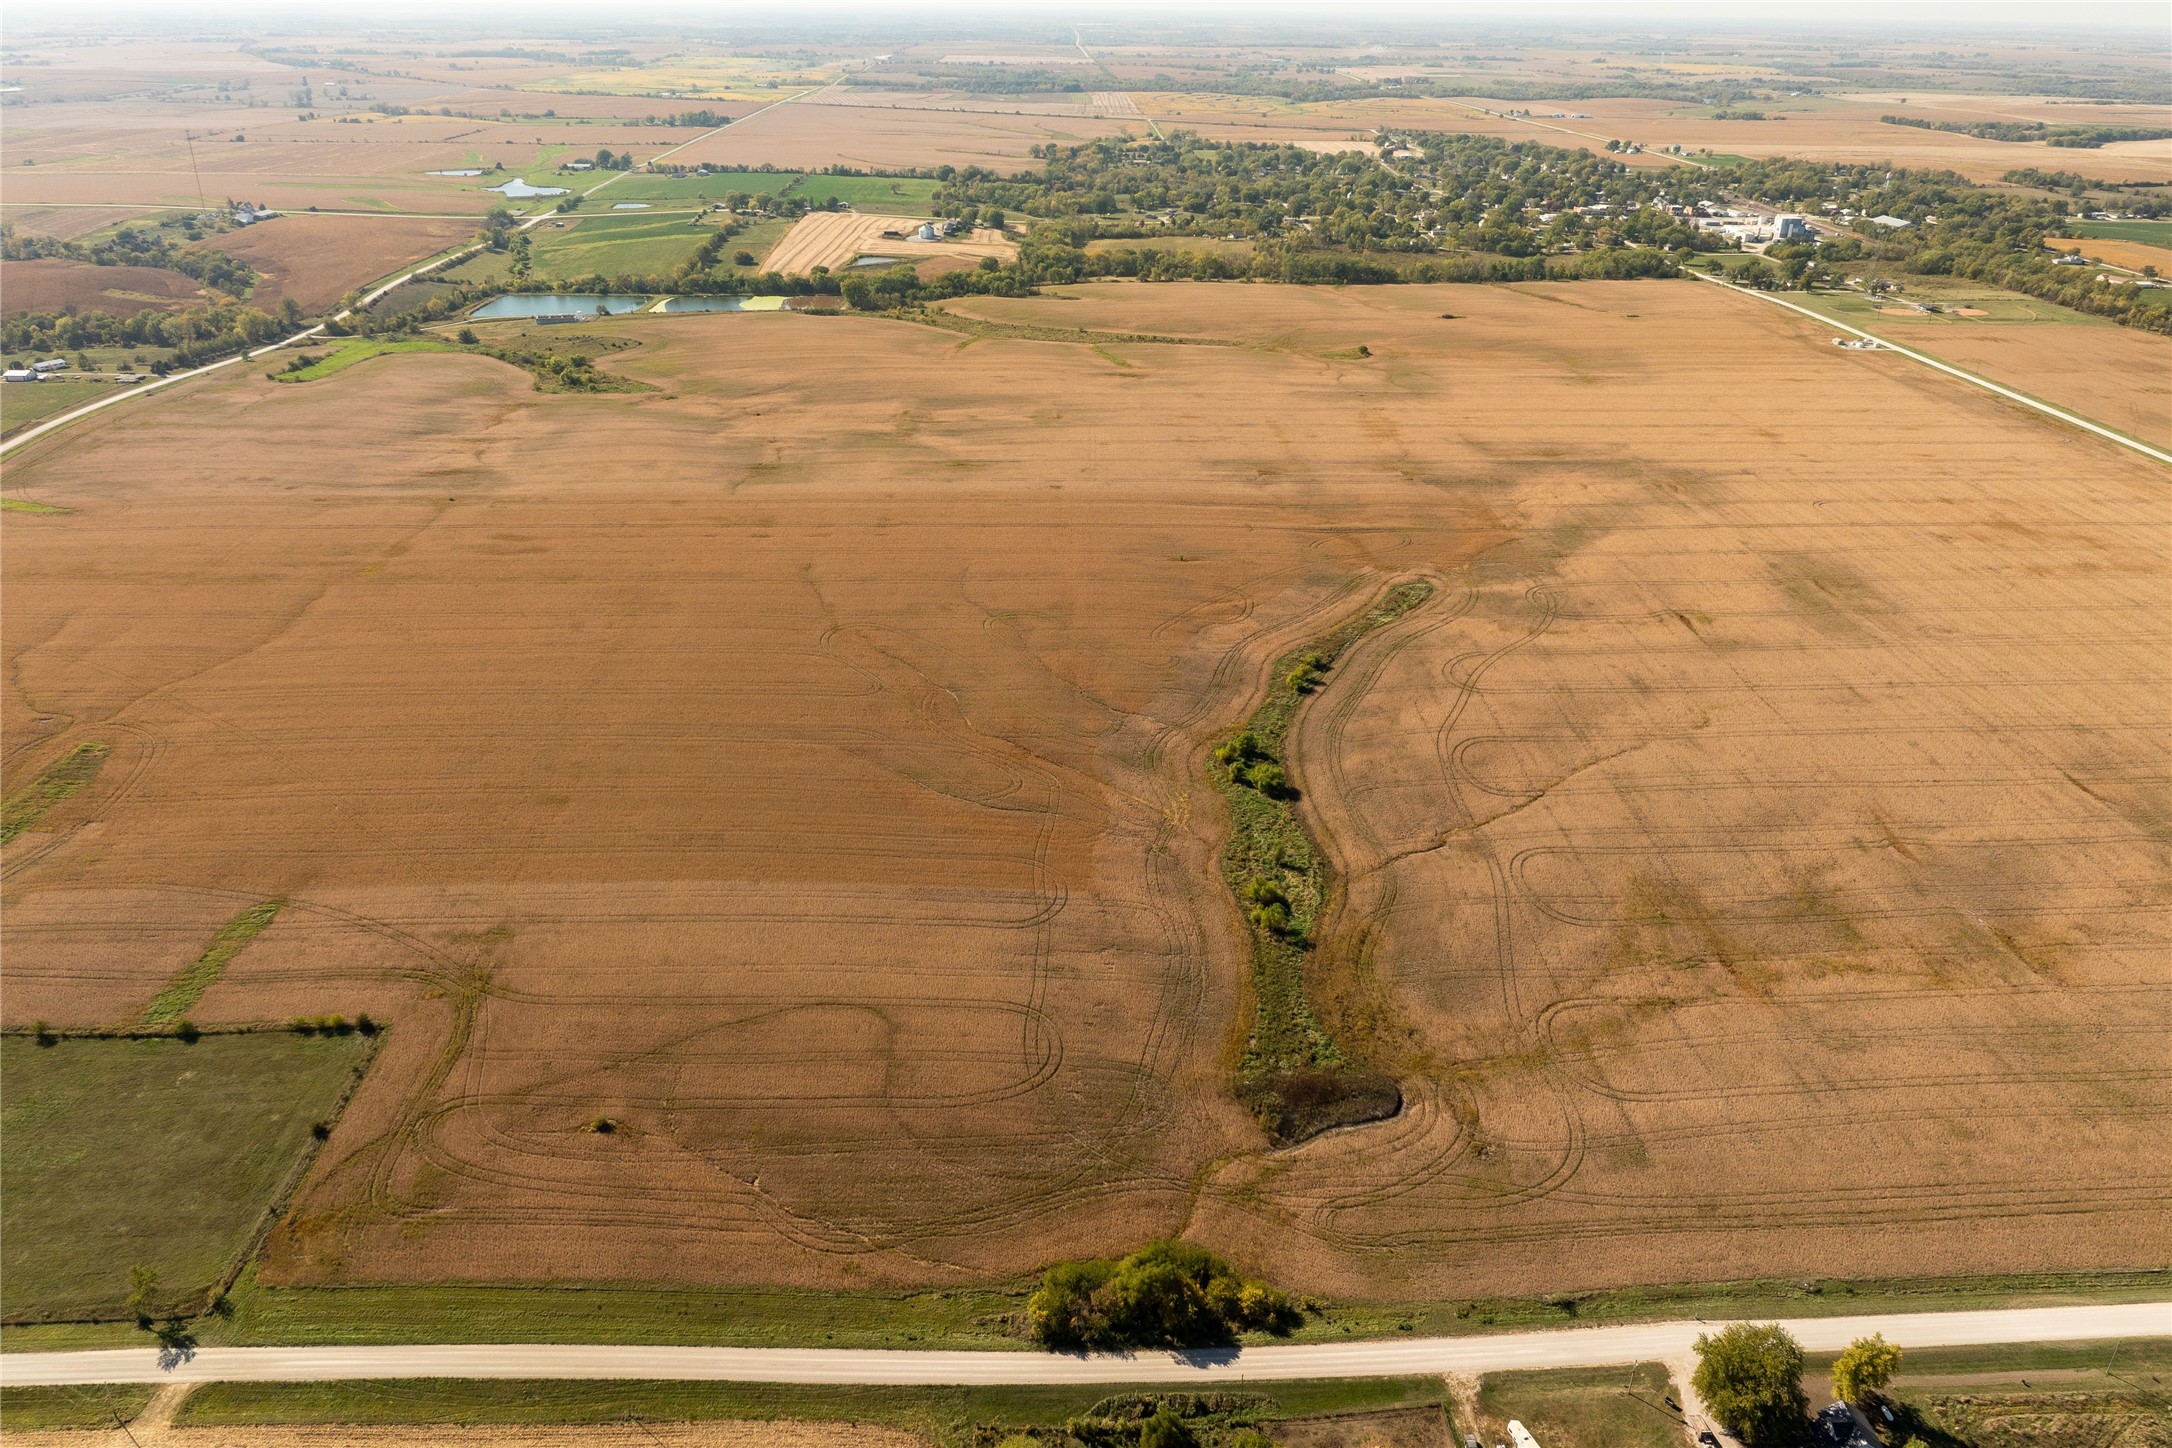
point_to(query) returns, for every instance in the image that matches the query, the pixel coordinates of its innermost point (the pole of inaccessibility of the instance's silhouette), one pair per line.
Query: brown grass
(1756, 850)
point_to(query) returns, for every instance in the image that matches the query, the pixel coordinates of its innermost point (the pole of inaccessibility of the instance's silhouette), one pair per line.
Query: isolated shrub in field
(1236, 751)
(1750, 1377)
(1305, 677)
(1267, 777)
(1167, 1294)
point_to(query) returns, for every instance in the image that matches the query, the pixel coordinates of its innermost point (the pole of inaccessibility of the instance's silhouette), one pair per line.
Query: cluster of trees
(900, 286)
(1053, 255)
(980, 79)
(2071, 182)
(145, 246)
(1166, 1294)
(2083, 138)
(606, 161)
(1750, 1378)
(197, 334)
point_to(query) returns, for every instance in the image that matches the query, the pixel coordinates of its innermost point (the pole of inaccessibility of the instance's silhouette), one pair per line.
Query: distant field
(120, 1152)
(903, 193)
(2156, 234)
(50, 284)
(2131, 254)
(715, 186)
(316, 260)
(628, 243)
(880, 193)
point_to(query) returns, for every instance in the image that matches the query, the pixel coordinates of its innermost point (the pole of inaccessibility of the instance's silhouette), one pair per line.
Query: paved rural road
(1577, 1347)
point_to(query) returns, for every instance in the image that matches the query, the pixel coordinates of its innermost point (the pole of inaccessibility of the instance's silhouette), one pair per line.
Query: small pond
(519, 190)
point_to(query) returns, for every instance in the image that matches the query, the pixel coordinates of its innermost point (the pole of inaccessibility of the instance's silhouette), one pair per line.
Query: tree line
(2083, 138)
(144, 246)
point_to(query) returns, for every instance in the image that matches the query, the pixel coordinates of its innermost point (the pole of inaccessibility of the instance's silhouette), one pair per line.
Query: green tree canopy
(1166, 1294)
(1750, 1377)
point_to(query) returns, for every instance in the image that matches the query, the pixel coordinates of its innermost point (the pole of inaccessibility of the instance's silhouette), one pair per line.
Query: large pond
(519, 190)
(558, 304)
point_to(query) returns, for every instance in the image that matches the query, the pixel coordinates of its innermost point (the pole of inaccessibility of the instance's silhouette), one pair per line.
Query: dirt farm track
(821, 800)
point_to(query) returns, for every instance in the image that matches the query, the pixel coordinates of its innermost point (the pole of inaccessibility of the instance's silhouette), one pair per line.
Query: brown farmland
(879, 135)
(49, 284)
(2119, 376)
(318, 259)
(1781, 759)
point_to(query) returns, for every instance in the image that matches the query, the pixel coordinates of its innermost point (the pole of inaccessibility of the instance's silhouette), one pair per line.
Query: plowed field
(769, 812)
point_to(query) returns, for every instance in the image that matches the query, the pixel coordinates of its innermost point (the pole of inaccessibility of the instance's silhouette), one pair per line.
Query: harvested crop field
(2131, 254)
(50, 284)
(893, 137)
(2119, 376)
(317, 259)
(833, 238)
(791, 858)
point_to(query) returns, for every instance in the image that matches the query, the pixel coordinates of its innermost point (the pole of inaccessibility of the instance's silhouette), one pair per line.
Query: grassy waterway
(1294, 1076)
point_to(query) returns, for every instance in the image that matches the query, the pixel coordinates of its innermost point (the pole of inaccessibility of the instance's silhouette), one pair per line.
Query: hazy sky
(1958, 16)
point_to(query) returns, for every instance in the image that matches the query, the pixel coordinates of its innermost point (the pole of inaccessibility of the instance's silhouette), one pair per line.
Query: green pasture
(156, 1152)
(626, 243)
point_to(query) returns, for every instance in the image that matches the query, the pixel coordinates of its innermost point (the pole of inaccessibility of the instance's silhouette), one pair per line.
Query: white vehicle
(1519, 1435)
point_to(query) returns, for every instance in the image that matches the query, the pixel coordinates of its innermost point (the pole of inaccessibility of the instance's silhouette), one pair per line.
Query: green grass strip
(360, 349)
(177, 999)
(1278, 875)
(63, 777)
(941, 1414)
(24, 505)
(101, 1405)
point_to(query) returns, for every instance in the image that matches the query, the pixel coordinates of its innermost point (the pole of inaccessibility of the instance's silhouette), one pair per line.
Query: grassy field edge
(987, 1318)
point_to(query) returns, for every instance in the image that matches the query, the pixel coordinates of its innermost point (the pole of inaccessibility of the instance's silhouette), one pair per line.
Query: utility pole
(202, 200)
